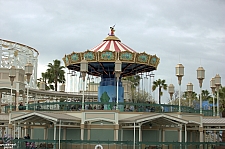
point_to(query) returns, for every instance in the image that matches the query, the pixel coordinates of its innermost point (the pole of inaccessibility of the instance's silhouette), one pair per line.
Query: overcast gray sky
(193, 30)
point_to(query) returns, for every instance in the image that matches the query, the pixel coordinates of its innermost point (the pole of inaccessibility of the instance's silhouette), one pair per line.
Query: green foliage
(53, 74)
(141, 97)
(105, 97)
(135, 80)
(205, 95)
(184, 98)
(44, 78)
(56, 73)
(161, 84)
(222, 98)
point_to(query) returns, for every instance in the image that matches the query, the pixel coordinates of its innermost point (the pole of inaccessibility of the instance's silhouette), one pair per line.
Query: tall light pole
(213, 87)
(179, 74)
(189, 91)
(12, 75)
(83, 70)
(200, 77)
(118, 65)
(218, 84)
(151, 76)
(171, 92)
(28, 73)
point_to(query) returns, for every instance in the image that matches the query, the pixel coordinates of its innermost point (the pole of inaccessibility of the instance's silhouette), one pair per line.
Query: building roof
(161, 119)
(4, 117)
(48, 116)
(213, 121)
(112, 43)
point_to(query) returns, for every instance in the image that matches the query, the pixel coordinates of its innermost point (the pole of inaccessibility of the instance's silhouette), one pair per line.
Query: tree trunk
(56, 86)
(159, 95)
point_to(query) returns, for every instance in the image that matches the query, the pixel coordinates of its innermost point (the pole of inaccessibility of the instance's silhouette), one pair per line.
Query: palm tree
(161, 85)
(222, 103)
(135, 80)
(192, 96)
(44, 78)
(205, 95)
(56, 73)
(222, 100)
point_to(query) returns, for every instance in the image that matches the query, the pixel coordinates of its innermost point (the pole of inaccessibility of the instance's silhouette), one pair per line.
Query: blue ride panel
(107, 93)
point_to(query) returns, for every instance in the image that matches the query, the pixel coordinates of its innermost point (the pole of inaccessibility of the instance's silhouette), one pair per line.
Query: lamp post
(171, 92)
(189, 91)
(218, 84)
(213, 87)
(83, 70)
(12, 75)
(118, 65)
(200, 77)
(179, 74)
(28, 73)
(151, 76)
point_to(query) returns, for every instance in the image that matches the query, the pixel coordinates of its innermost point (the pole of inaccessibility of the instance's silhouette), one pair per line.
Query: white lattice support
(17, 54)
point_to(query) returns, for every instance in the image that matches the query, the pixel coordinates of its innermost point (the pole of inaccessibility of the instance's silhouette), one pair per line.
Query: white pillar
(22, 132)
(54, 132)
(45, 133)
(89, 134)
(117, 93)
(64, 133)
(31, 132)
(116, 135)
(83, 94)
(27, 96)
(134, 136)
(0, 95)
(140, 134)
(82, 134)
(200, 100)
(25, 130)
(17, 97)
(179, 98)
(14, 131)
(163, 135)
(214, 109)
(121, 134)
(185, 132)
(201, 139)
(19, 131)
(160, 135)
(180, 133)
(59, 133)
(201, 136)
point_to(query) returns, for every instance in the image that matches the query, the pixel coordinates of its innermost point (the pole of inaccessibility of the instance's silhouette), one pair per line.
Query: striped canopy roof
(112, 43)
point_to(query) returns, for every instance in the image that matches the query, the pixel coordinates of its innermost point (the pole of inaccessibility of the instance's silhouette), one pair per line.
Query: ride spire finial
(112, 30)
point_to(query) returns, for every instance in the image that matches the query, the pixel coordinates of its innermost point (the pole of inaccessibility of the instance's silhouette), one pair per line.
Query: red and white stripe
(112, 45)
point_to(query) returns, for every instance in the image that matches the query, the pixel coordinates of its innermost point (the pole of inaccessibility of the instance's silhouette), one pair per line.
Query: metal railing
(123, 107)
(90, 144)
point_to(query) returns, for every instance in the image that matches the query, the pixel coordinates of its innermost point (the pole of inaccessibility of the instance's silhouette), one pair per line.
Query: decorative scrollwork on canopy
(142, 58)
(127, 56)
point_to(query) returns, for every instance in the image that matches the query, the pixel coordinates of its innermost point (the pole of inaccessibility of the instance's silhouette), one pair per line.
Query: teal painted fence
(77, 144)
(128, 107)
